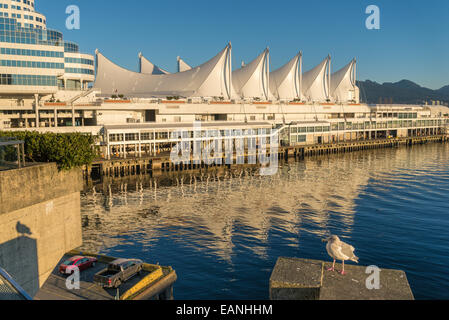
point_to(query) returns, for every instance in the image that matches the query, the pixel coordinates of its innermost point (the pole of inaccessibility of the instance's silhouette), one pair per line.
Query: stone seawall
(39, 221)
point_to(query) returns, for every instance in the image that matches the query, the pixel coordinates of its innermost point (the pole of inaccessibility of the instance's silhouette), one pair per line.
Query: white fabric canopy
(183, 66)
(343, 84)
(147, 67)
(211, 79)
(216, 79)
(315, 83)
(285, 82)
(252, 81)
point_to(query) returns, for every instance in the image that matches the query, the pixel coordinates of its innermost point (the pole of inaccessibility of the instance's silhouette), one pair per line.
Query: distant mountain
(402, 92)
(444, 90)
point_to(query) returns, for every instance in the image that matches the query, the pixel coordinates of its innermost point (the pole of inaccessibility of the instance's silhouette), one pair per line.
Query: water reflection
(237, 216)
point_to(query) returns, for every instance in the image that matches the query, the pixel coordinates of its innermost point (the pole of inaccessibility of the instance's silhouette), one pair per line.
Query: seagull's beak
(325, 240)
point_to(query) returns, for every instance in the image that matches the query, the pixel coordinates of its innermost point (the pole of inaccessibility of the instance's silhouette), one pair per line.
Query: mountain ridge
(401, 92)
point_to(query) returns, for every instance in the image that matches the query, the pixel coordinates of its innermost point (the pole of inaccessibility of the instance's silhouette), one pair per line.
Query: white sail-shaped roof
(343, 84)
(252, 81)
(211, 79)
(183, 66)
(145, 66)
(315, 83)
(285, 82)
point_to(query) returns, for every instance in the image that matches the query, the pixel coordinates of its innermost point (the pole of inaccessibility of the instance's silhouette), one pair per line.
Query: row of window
(71, 47)
(14, 7)
(362, 126)
(32, 53)
(80, 61)
(27, 80)
(28, 2)
(11, 32)
(148, 136)
(408, 115)
(295, 130)
(23, 38)
(19, 16)
(31, 64)
(79, 71)
(299, 139)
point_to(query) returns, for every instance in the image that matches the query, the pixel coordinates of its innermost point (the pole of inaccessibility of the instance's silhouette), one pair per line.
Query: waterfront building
(37, 62)
(135, 113)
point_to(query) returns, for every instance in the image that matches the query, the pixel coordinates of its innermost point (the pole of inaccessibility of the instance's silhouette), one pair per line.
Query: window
(131, 136)
(116, 137)
(146, 136)
(32, 80)
(79, 61)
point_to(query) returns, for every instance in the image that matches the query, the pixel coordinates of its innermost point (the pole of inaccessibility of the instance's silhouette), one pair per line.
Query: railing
(12, 287)
(12, 153)
(81, 95)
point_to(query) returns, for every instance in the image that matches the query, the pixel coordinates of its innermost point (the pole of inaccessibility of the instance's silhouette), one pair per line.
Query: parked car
(83, 263)
(118, 272)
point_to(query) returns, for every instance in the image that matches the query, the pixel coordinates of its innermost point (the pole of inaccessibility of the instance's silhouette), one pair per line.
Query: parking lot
(55, 287)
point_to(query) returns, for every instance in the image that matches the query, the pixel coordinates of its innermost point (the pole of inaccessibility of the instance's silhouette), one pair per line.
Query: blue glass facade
(27, 80)
(79, 71)
(71, 47)
(80, 61)
(23, 37)
(11, 32)
(32, 53)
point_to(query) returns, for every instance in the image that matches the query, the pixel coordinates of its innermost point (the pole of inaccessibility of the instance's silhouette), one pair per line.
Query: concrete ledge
(39, 221)
(302, 279)
(25, 187)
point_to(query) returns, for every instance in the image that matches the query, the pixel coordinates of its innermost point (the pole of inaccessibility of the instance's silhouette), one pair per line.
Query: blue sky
(413, 42)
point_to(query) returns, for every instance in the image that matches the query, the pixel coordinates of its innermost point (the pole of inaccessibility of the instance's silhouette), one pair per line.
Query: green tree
(68, 150)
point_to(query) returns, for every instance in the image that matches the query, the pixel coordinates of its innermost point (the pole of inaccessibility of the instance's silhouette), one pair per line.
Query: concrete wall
(39, 221)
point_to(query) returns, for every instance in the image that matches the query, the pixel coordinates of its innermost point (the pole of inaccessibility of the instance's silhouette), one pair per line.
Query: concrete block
(302, 279)
(294, 279)
(393, 285)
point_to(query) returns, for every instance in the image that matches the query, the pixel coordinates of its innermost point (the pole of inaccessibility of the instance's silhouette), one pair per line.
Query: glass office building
(34, 59)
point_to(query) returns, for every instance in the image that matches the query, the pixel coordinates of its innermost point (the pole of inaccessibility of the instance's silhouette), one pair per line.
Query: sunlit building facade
(37, 60)
(45, 86)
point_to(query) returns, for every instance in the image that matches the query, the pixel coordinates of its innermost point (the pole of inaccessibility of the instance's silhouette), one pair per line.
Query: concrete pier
(119, 168)
(303, 279)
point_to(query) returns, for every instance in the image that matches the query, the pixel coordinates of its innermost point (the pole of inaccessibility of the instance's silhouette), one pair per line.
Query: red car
(81, 262)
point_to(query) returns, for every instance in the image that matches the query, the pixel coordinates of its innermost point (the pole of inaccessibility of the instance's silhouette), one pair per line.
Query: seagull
(339, 250)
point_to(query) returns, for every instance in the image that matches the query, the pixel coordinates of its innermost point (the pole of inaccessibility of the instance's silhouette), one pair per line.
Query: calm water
(223, 234)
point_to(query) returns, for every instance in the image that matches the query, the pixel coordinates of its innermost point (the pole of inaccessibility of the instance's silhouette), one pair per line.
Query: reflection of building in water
(314, 196)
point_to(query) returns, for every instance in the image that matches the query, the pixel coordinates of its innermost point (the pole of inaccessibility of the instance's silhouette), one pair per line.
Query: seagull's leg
(343, 271)
(333, 267)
